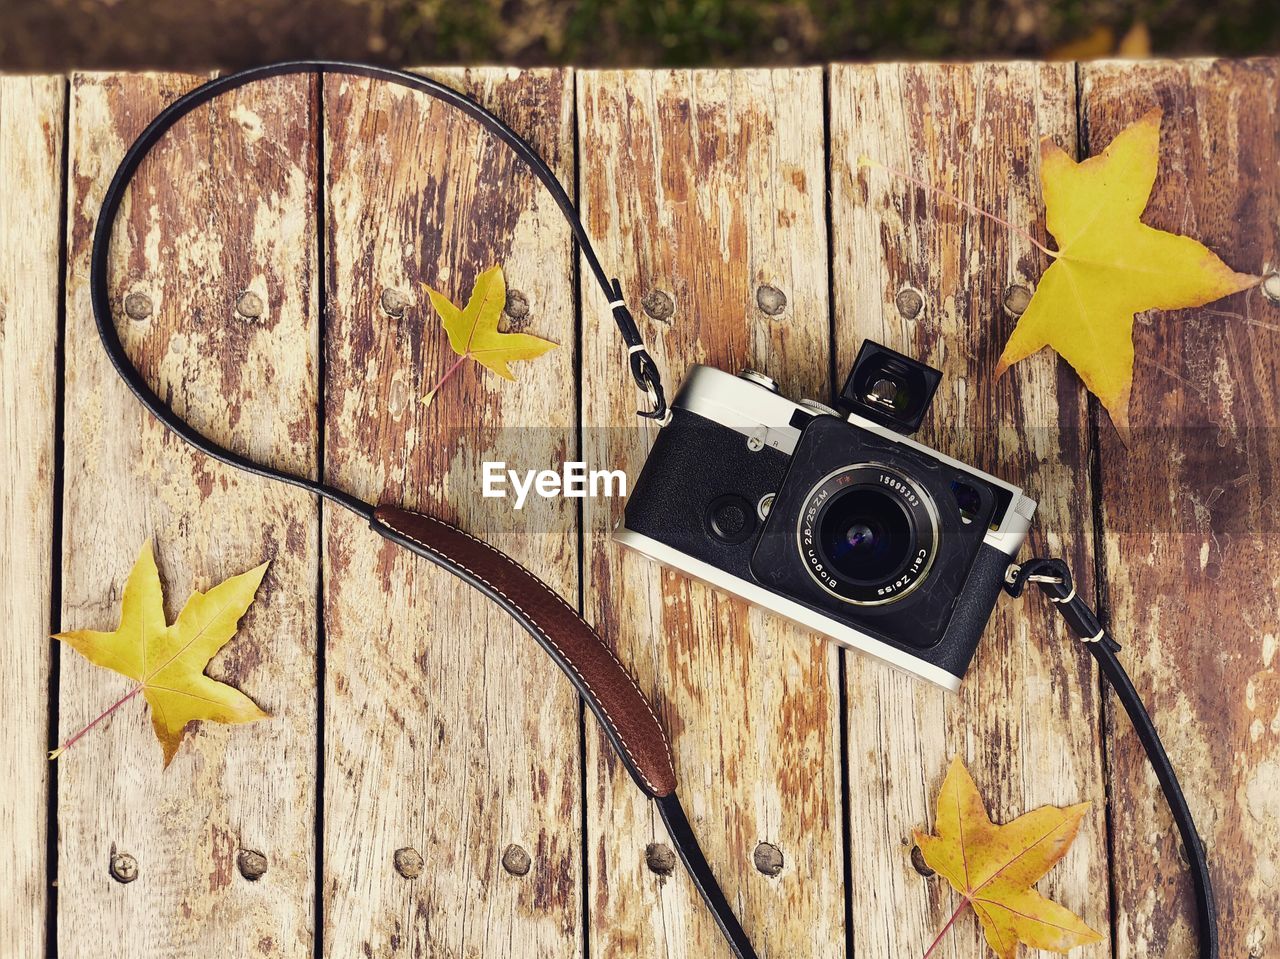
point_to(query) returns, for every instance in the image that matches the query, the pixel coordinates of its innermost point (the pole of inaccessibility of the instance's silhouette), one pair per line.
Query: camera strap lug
(643, 369)
(1054, 579)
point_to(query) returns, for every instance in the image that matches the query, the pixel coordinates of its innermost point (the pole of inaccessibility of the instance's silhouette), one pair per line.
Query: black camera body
(843, 525)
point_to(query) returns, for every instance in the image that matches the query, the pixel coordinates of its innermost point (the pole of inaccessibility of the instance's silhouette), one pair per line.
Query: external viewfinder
(888, 388)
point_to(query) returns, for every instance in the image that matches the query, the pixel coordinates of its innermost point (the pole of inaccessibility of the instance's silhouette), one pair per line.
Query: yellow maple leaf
(1109, 265)
(473, 330)
(168, 662)
(993, 867)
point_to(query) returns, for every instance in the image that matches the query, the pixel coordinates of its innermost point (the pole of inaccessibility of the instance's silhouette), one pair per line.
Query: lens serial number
(901, 488)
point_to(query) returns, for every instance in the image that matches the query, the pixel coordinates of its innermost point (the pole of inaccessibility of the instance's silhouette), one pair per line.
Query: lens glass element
(865, 534)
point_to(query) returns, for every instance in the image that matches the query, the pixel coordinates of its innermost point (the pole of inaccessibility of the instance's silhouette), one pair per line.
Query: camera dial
(760, 379)
(867, 534)
(818, 409)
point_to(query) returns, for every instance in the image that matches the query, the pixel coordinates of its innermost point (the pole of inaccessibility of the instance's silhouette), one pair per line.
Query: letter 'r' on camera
(888, 388)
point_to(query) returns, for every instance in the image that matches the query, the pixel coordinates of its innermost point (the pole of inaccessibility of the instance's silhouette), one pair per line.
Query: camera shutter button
(731, 518)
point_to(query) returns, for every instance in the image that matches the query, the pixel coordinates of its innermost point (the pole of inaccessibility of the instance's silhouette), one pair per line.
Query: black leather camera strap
(643, 370)
(1054, 579)
(629, 721)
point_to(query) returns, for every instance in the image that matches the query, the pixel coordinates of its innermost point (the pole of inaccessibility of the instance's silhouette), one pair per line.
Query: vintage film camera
(843, 525)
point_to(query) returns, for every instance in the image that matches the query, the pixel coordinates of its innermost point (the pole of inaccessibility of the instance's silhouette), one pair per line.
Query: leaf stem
(965, 204)
(449, 372)
(937, 939)
(54, 754)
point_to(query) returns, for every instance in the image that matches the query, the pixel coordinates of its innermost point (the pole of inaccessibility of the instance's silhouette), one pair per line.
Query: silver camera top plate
(764, 416)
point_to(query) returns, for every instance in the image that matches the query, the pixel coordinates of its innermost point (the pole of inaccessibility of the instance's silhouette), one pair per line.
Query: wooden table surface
(428, 784)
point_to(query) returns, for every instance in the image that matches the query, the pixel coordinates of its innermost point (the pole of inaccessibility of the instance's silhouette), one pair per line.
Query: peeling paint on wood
(226, 203)
(31, 136)
(707, 185)
(452, 816)
(1191, 552)
(1026, 719)
(447, 729)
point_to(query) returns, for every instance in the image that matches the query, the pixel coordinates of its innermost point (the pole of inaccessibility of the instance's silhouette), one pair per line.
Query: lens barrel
(867, 534)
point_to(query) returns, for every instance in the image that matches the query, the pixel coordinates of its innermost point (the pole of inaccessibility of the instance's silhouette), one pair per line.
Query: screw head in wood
(658, 305)
(909, 303)
(1016, 299)
(123, 867)
(1271, 286)
(768, 859)
(515, 860)
(137, 306)
(660, 858)
(408, 862)
(393, 302)
(252, 864)
(249, 305)
(771, 300)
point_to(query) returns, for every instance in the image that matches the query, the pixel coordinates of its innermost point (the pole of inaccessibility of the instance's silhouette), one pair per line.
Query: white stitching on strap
(613, 305)
(1065, 599)
(1093, 639)
(542, 632)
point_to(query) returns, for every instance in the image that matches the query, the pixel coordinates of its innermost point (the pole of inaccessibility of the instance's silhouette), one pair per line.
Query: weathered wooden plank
(1191, 549)
(451, 740)
(215, 286)
(705, 191)
(926, 278)
(31, 136)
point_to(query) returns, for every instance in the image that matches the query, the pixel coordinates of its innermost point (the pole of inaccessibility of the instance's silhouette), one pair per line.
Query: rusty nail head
(408, 862)
(515, 860)
(137, 306)
(909, 303)
(771, 300)
(252, 864)
(517, 305)
(768, 859)
(1016, 299)
(249, 304)
(659, 857)
(393, 302)
(658, 305)
(123, 867)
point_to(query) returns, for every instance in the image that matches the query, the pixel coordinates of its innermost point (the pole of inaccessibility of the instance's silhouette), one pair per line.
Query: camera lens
(867, 534)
